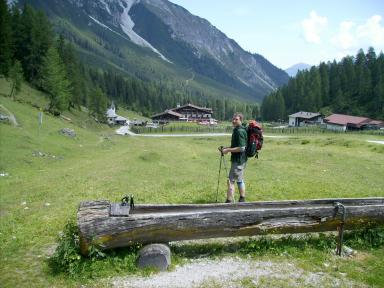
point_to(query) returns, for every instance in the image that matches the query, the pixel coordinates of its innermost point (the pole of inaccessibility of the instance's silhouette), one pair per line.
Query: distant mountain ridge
(292, 71)
(163, 32)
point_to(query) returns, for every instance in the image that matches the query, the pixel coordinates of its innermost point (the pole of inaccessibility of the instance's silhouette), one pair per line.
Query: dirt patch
(233, 272)
(48, 251)
(361, 256)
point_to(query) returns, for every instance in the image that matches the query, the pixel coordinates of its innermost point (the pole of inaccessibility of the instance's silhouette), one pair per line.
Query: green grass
(100, 165)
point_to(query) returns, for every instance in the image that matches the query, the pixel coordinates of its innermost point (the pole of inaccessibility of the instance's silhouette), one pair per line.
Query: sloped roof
(194, 106)
(168, 112)
(121, 118)
(376, 122)
(340, 119)
(305, 115)
(111, 113)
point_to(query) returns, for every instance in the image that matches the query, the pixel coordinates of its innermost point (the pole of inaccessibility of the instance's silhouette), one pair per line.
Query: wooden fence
(267, 130)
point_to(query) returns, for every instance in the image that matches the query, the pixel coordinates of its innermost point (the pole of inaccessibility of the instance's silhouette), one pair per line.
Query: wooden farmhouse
(188, 112)
(304, 118)
(340, 122)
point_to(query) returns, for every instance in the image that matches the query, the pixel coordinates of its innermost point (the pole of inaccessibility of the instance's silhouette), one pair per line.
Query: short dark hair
(238, 114)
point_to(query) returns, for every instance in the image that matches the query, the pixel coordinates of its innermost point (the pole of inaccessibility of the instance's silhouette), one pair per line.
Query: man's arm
(242, 145)
(232, 150)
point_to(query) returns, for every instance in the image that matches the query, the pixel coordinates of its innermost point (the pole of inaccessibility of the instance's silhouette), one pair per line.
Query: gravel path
(376, 141)
(231, 272)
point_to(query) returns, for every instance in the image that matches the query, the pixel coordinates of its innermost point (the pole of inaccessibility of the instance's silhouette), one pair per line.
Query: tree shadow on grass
(207, 200)
(371, 238)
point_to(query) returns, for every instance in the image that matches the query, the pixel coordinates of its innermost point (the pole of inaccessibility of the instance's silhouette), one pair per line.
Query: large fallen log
(109, 225)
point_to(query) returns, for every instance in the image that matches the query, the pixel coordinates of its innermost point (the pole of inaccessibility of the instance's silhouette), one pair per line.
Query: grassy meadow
(40, 192)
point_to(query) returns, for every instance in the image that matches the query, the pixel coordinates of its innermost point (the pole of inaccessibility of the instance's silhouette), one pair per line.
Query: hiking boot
(242, 199)
(228, 201)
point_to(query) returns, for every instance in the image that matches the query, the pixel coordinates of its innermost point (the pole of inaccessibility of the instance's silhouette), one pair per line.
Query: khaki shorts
(237, 172)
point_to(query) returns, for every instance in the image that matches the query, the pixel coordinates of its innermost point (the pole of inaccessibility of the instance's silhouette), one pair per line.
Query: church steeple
(113, 106)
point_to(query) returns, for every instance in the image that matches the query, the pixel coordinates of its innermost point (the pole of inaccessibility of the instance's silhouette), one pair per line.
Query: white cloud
(345, 39)
(372, 31)
(313, 26)
(352, 36)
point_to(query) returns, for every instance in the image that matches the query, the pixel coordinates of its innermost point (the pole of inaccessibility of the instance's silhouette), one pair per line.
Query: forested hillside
(354, 86)
(31, 50)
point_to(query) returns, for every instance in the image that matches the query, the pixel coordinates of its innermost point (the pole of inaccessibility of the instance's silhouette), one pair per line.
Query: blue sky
(293, 31)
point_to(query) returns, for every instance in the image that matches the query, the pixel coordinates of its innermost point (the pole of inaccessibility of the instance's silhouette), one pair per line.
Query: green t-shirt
(239, 139)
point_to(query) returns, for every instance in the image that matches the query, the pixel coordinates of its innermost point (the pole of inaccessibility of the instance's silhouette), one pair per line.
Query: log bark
(165, 223)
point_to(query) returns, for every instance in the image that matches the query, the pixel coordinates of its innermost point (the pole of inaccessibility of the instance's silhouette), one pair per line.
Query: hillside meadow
(45, 175)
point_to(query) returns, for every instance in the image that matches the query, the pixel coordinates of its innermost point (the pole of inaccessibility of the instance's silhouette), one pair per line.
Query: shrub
(67, 257)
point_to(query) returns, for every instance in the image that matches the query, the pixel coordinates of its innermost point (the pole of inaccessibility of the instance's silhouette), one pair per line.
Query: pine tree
(300, 91)
(16, 77)
(378, 88)
(255, 112)
(98, 104)
(363, 75)
(32, 40)
(55, 81)
(280, 111)
(74, 74)
(6, 49)
(371, 58)
(315, 87)
(324, 79)
(349, 85)
(334, 85)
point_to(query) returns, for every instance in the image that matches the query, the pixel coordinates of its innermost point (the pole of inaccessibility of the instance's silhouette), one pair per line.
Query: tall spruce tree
(280, 107)
(55, 81)
(98, 104)
(74, 74)
(32, 39)
(6, 47)
(324, 80)
(16, 78)
(378, 89)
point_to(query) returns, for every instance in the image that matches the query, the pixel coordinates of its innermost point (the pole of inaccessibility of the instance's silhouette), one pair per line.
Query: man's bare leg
(241, 186)
(231, 190)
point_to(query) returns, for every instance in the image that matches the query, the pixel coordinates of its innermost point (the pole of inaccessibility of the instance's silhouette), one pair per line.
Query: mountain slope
(206, 40)
(156, 39)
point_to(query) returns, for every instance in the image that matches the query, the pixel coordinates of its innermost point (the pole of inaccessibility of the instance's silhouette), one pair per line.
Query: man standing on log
(238, 158)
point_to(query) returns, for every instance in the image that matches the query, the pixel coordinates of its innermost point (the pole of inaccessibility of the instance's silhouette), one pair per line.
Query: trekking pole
(225, 167)
(218, 178)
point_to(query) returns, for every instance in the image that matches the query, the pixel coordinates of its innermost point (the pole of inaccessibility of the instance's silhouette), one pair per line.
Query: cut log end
(156, 256)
